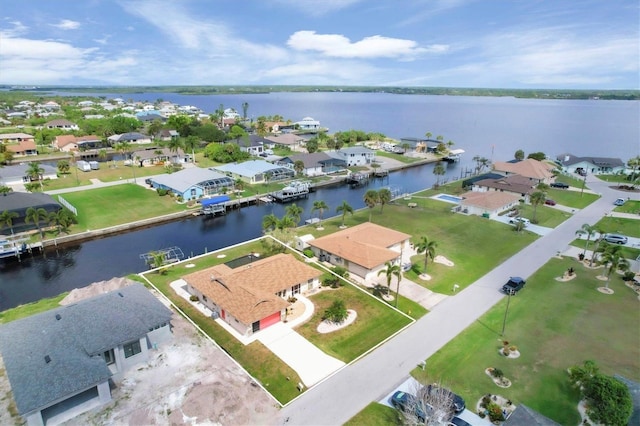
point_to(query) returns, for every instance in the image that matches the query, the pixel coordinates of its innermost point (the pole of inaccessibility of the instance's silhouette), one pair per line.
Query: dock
(15, 246)
(357, 179)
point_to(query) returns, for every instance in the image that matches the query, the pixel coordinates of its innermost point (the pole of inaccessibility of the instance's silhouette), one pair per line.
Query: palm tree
(390, 271)
(6, 219)
(439, 170)
(319, 206)
(384, 197)
(428, 135)
(175, 144)
(298, 166)
(614, 260)
(344, 208)
(287, 222)
(294, 212)
(190, 144)
(34, 171)
(596, 249)
(428, 248)
(536, 198)
(269, 222)
(371, 199)
(589, 231)
(36, 215)
(102, 154)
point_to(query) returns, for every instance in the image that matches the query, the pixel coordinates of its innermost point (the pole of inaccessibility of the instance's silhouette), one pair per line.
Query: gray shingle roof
(184, 179)
(23, 200)
(525, 416)
(73, 343)
(570, 159)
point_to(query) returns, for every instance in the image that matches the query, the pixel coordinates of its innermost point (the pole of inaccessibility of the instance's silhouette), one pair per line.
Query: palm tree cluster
(290, 220)
(372, 198)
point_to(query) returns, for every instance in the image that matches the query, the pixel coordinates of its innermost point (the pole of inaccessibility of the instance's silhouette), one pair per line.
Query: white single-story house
(69, 143)
(22, 148)
(256, 171)
(253, 144)
(363, 249)
(61, 124)
(131, 137)
(354, 155)
(154, 155)
(290, 140)
(592, 165)
(193, 183)
(308, 123)
(15, 137)
(253, 296)
(60, 362)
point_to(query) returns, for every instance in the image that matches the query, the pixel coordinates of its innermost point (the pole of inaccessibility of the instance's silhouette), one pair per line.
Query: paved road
(340, 397)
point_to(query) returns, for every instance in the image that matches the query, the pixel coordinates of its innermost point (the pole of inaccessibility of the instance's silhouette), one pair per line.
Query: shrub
(292, 299)
(162, 192)
(506, 351)
(629, 276)
(341, 271)
(513, 348)
(497, 373)
(329, 280)
(193, 298)
(308, 252)
(336, 313)
(608, 400)
(495, 412)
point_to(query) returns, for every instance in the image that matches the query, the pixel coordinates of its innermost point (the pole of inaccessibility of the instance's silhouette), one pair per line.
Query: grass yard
(461, 239)
(617, 225)
(630, 206)
(115, 205)
(375, 322)
(399, 157)
(573, 199)
(555, 325)
(29, 309)
(376, 414)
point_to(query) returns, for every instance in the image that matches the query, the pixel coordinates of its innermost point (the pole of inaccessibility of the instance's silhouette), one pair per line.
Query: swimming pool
(448, 198)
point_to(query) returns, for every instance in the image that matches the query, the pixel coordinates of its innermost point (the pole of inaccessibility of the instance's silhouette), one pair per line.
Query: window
(109, 357)
(131, 349)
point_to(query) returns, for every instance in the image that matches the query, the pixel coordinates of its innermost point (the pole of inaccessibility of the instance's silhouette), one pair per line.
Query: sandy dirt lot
(186, 381)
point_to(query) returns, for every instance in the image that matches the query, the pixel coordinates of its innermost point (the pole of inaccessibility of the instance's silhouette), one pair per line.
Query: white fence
(67, 205)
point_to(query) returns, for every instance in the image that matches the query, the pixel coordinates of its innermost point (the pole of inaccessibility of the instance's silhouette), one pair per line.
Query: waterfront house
(363, 249)
(354, 155)
(167, 135)
(131, 137)
(154, 155)
(19, 202)
(253, 144)
(515, 184)
(193, 183)
(290, 140)
(22, 148)
(256, 171)
(17, 174)
(487, 203)
(61, 124)
(538, 171)
(61, 362)
(253, 296)
(315, 164)
(418, 144)
(593, 165)
(308, 124)
(8, 138)
(70, 143)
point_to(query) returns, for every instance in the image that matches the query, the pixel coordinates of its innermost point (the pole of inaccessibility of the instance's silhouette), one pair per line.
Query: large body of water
(491, 127)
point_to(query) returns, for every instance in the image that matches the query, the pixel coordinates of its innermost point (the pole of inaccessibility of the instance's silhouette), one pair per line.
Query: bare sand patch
(443, 260)
(425, 277)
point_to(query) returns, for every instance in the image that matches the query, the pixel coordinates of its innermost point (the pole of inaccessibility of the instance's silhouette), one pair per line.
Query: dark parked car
(615, 238)
(514, 285)
(561, 185)
(550, 202)
(457, 421)
(404, 401)
(457, 402)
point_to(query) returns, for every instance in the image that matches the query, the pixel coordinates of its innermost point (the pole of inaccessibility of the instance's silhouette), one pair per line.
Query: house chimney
(47, 359)
(58, 317)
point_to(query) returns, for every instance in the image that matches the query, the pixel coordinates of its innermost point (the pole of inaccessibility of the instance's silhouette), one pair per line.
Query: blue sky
(571, 44)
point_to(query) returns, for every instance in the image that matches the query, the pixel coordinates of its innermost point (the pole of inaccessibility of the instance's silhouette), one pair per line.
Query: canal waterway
(490, 127)
(78, 265)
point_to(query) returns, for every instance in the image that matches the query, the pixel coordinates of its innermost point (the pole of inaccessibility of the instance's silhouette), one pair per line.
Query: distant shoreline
(582, 94)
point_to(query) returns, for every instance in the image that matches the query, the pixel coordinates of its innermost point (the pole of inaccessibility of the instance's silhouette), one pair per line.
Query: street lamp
(506, 311)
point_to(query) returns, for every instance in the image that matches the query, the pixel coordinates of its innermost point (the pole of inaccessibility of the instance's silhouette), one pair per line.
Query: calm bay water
(491, 127)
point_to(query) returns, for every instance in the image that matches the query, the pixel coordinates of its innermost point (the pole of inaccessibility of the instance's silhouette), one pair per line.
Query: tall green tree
(36, 216)
(344, 208)
(320, 206)
(190, 143)
(428, 247)
(6, 219)
(294, 212)
(439, 170)
(298, 166)
(371, 199)
(519, 155)
(34, 171)
(536, 198)
(588, 231)
(614, 260)
(391, 270)
(384, 197)
(269, 222)
(608, 400)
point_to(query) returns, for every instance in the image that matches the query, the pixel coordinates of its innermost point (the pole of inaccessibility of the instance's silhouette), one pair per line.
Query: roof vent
(58, 317)
(47, 359)
(120, 294)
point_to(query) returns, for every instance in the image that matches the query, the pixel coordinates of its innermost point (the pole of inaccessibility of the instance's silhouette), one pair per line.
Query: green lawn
(616, 225)
(375, 322)
(574, 199)
(29, 309)
(630, 206)
(376, 414)
(555, 325)
(399, 157)
(115, 205)
(461, 239)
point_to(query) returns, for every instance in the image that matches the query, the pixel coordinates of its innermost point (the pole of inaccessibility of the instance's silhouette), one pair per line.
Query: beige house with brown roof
(487, 203)
(254, 296)
(363, 249)
(539, 171)
(515, 184)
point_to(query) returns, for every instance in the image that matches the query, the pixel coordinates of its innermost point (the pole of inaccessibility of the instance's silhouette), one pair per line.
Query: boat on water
(294, 190)
(12, 247)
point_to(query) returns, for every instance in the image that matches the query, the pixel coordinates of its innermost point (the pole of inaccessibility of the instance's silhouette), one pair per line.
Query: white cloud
(339, 46)
(18, 29)
(67, 24)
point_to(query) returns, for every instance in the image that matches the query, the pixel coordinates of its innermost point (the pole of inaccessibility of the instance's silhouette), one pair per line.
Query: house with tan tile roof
(533, 169)
(68, 143)
(491, 203)
(363, 249)
(515, 184)
(23, 148)
(253, 296)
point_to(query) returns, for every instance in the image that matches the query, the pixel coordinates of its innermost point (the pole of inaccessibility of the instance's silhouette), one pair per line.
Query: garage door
(270, 320)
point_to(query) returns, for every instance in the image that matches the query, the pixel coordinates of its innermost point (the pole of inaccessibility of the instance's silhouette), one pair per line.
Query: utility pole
(504, 322)
(584, 183)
